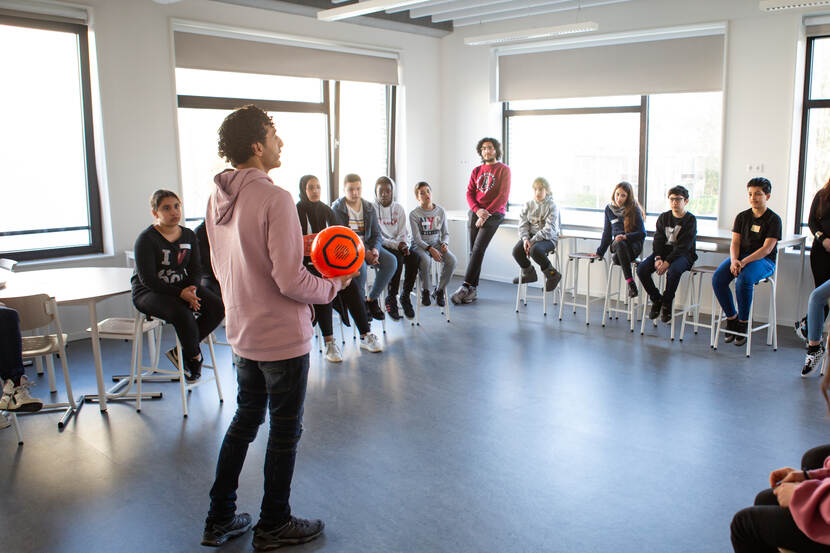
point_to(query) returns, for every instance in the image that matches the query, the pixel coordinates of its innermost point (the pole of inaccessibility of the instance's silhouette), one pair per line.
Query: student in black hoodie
(314, 217)
(167, 272)
(673, 253)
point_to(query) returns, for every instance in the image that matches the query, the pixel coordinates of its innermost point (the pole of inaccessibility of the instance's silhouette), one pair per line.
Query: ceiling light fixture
(533, 34)
(362, 8)
(778, 5)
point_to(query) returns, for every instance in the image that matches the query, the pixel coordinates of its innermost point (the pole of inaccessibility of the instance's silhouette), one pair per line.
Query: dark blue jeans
(479, 240)
(676, 269)
(744, 285)
(280, 387)
(11, 347)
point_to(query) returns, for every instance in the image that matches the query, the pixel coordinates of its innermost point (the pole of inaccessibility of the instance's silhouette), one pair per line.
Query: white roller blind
(674, 65)
(198, 51)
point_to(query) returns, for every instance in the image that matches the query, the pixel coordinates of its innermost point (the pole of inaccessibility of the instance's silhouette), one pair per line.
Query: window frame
(95, 226)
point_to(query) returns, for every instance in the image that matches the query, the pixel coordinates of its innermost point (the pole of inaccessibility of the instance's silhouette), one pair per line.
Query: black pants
(191, 331)
(11, 346)
(350, 298)
(673, 274)
(538, 252)
(479, 240)
(768, 526)
(623, 253)
(820, 264)
(411, 263)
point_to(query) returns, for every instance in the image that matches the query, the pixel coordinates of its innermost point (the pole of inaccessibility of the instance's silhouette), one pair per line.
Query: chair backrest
(7, 264)
(129, 255)
(35, 311)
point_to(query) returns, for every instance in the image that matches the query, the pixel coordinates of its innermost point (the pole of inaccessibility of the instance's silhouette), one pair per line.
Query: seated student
(430, 238)
(538, 236)
(673, 253)
(167, 271)
(207, 279)
(315, 216)
(751, 259)
(624, 231)
(815, 326)
(15, 393)
(394, 227)
(356, 213)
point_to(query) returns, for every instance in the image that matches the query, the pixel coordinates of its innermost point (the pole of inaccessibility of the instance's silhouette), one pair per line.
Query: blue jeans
(11, 347)
(676, 269)
(744, 285)
(280, 386)
(386, 267)
(815, 311)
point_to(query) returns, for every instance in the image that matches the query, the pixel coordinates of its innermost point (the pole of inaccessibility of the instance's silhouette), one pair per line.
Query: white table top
(76, 285)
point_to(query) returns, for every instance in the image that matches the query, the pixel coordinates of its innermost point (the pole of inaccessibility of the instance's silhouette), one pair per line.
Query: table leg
(96, 355)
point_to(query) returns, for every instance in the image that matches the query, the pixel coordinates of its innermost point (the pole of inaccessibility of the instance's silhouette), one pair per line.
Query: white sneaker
(333, 352)
(21, 400)
(370, 343)
(6, 397)
(4, 422)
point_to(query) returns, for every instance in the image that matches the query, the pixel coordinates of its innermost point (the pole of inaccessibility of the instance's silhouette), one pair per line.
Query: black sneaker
(439, 298)
(731, 324)
(666, 313)
(392, 308)
(406, 305)
(742, 327)
(815, 354)
(216, 534)
(552, 278)
(373, 307)
(655, 309)
(425, 301)
(193, 369)
(293, 532)
(632, 289)
(528, 275)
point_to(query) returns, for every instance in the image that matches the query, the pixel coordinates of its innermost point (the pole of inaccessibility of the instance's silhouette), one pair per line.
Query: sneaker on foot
(193, 369)
(439, 297)
(632, 289)
(21, 400)
(392, 307)
(552, 278)
(333, 352)
(815, 354)
(6, 396)
(173, 356)
(742, 328)
(656, 305)
(425, 301)
(528, 275)
(460, 295)
(370, 343)
(373, 307)
(293, 532)
(801, 329)
(732, 325)
(216, 534)
(666, 313)
(406, 305)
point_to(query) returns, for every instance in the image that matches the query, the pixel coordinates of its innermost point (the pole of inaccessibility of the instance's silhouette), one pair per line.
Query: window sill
(96, 260)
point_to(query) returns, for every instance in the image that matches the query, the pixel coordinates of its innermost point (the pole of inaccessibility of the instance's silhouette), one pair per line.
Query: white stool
(575, 258)
(692, 280)
(434, 268)
(770, 325)
(693, 309)
(521, 288)
(629, 303)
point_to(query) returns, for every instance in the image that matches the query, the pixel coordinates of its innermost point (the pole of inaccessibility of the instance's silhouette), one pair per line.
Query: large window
(814, 162)
(51, 205)
(329, 128)
(585, 146)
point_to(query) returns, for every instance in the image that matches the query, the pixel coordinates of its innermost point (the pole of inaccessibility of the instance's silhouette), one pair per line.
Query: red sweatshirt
(810, 505)
(489, 188)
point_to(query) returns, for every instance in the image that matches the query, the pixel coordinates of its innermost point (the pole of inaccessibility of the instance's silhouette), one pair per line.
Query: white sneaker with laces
(370, 343)
(812, 360)
(22, 401)
(333, 352)
(6, 397)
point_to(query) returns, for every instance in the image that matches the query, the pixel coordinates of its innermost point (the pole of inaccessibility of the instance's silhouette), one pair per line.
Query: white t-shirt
(356, 220)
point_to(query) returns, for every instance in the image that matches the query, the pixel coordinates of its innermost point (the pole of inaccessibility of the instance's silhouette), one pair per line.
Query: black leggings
(350, 298)
(767, 526)
(623, 253)
(190, 330)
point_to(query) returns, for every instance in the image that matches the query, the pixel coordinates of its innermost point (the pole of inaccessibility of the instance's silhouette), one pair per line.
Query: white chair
(693, 309)
(692, 279)
(770, 325)
(37, 312)
(572, 267)
(16, 426)
(521, 288)
(620, 295)
(435, 269)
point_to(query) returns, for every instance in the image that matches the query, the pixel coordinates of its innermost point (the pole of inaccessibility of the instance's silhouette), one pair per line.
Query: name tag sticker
(755, 228)
(184, 246)
(614, 221)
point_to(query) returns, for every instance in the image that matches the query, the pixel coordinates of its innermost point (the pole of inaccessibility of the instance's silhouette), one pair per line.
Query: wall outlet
(755, 168)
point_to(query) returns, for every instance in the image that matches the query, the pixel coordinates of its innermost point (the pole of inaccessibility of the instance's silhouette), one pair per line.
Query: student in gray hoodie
(539, 225)
(430, 239)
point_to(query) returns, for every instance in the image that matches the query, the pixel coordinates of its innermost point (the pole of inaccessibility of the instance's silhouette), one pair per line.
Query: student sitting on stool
(624, 224)
(430, 239)
(538, 236)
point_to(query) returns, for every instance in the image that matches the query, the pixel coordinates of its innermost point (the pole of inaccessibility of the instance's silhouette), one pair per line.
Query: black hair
(678, 191)
(384, 180)
(496, 144)
(303, 184)
(242, 128)
(160, 195)
(762, 183)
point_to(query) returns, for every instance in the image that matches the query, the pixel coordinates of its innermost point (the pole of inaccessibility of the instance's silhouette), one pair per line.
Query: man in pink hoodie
(257, 256)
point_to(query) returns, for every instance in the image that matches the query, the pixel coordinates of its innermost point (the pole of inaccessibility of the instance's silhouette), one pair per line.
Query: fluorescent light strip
(533, 34)
(362, 8)
(778, 5)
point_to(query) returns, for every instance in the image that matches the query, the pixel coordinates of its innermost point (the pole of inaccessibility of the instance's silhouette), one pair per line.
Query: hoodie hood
(229, 183)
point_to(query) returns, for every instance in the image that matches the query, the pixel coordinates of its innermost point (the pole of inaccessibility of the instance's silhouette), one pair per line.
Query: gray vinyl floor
(499, 432)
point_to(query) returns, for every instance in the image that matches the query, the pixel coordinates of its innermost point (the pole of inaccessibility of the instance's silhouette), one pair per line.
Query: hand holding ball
(337, 251)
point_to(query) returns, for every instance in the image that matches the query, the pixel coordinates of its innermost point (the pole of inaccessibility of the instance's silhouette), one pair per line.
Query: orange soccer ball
(337, 251)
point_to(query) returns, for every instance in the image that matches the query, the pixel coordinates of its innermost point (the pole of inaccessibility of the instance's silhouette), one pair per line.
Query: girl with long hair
(624, 231)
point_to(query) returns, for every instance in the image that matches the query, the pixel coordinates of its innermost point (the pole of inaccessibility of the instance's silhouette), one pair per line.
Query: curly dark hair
(240, 130)
(496, 144)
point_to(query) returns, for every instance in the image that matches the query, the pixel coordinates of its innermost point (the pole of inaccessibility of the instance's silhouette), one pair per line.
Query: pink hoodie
(257, 255)
(810, 505)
